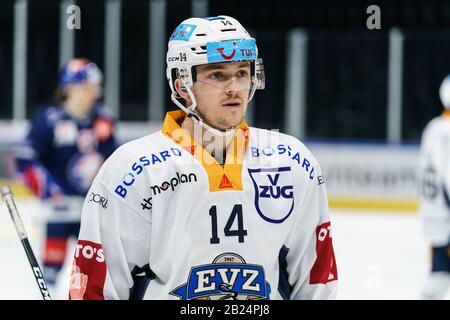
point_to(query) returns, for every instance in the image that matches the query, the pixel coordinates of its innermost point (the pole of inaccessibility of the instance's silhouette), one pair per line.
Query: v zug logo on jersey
(273, 184)
(273, 190)
(225, 280)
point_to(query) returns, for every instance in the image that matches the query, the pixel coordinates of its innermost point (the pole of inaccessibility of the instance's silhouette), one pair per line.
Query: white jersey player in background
(434, 177)
(208, 208)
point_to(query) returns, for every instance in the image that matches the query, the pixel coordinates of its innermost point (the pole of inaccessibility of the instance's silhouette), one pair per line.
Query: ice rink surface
(380, 255)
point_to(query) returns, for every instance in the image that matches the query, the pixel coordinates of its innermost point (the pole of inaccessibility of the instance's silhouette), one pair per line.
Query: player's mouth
(232, 104)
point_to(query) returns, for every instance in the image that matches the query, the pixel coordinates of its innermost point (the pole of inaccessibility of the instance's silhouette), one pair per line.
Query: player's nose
(232, 86)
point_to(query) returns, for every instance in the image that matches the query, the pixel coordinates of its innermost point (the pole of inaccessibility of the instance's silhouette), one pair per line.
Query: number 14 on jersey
(236, 213)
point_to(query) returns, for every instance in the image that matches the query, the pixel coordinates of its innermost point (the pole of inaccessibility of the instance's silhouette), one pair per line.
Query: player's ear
(182, 92)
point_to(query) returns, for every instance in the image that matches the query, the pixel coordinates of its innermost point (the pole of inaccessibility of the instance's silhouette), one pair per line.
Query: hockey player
(64, 149)
(208, 208)
(434, 205)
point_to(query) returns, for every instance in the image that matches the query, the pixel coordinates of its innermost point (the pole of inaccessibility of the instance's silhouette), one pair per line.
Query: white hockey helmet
(198, 41)
(444, 92)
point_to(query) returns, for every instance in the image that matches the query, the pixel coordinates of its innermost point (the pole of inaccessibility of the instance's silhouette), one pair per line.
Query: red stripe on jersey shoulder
(324, 269)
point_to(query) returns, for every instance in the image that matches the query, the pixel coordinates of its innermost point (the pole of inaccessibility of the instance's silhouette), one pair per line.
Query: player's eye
(242, 73)
(216, 76)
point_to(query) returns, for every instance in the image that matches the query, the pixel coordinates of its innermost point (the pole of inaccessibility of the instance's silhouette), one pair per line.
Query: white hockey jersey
(434, 180)
(163, 220)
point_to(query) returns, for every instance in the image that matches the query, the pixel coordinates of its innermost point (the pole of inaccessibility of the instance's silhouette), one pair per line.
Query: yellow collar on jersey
(228, 177)
(446, 114)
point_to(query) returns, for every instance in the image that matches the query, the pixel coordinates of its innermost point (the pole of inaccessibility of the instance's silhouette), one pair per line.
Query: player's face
(85, 95)
(222, 91)
(90, 93)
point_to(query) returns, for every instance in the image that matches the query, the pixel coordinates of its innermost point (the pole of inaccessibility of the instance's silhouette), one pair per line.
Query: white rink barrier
(369, 176)
(360, 176)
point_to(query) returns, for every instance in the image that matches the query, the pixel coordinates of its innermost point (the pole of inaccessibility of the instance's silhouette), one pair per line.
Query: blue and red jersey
(62, 154)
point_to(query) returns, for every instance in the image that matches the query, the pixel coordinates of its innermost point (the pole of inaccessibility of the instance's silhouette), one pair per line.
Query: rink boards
(357, 176)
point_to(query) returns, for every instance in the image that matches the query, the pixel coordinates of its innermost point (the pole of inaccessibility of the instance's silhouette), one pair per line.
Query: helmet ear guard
(182, 74)
(175, 76)
(259, 74)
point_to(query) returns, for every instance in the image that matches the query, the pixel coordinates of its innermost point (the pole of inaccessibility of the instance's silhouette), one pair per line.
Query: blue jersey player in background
(65, 146)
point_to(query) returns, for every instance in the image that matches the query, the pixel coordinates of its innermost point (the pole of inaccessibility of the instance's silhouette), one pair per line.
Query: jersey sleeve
(308, 256)
(104, 128)
(112, 254)
(28, 158)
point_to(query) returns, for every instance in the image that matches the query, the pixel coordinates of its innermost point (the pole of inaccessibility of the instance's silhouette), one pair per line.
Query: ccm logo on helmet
(181, 58)
(90, 251)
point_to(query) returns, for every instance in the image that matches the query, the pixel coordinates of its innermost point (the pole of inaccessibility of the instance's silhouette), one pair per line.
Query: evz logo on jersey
(229, 277)
(273, 184)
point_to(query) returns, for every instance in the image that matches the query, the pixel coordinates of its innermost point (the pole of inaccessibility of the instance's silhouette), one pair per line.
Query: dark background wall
(347, 63)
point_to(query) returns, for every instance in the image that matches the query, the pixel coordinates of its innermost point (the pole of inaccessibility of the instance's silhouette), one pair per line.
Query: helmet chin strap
(190, 111)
